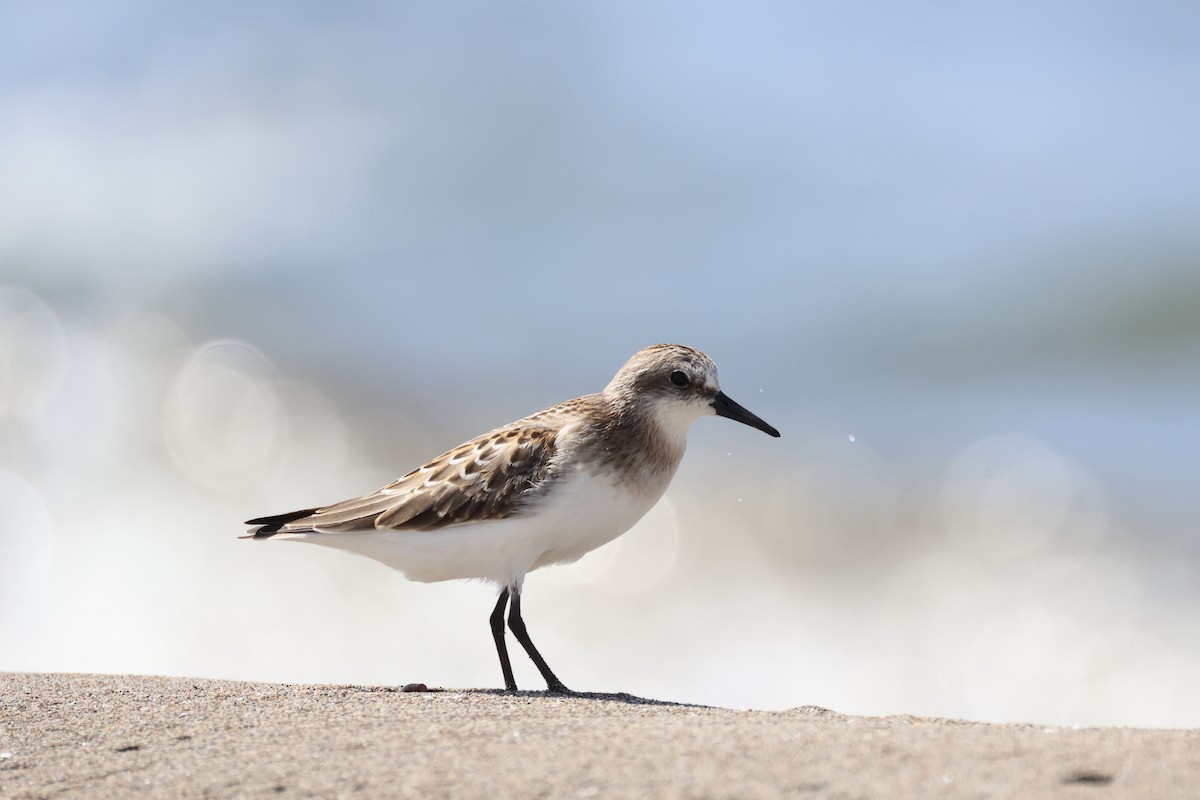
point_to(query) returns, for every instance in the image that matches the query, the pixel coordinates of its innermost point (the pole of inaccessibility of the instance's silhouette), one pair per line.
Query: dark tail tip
(269, 526)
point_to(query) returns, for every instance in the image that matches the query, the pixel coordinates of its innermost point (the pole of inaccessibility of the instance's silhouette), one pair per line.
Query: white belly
(575, 517)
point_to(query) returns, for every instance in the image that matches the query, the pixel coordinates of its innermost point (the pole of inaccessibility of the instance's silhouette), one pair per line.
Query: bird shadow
(606, 697)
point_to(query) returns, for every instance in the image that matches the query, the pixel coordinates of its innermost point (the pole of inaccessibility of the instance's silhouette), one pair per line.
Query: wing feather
(488, 478)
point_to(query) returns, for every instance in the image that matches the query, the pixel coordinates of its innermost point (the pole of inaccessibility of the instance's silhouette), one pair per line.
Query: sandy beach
(99, 736)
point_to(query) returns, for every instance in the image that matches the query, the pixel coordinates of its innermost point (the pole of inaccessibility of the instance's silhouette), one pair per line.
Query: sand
(100, 736)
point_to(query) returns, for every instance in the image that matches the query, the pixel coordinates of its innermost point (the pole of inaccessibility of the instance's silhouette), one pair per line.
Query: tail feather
(269, 526)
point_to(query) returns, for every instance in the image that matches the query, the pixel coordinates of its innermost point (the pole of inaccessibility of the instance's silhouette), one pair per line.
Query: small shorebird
(542, 490)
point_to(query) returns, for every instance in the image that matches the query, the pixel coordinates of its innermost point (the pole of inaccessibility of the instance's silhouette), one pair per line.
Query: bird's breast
(587, 509)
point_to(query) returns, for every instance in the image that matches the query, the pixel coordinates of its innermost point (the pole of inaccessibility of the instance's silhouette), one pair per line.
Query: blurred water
(256, 259)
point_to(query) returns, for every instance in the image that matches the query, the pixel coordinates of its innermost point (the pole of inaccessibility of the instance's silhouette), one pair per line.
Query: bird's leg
(517, 625)
(497, 622)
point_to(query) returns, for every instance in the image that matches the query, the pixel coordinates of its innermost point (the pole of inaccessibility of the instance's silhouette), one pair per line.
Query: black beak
(727, 408)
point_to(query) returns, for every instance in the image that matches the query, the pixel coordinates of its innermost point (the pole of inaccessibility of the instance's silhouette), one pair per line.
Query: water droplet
(851, 437)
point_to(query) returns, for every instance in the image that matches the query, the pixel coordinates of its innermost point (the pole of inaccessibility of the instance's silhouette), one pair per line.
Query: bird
(542, 490)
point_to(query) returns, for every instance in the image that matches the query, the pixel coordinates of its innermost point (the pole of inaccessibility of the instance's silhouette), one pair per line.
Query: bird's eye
(680, 379)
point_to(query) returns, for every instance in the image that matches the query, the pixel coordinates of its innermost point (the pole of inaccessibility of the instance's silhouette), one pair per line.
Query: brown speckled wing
(488, 478)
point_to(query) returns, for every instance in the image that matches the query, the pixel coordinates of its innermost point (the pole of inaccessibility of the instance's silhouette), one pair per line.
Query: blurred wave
(999, 587)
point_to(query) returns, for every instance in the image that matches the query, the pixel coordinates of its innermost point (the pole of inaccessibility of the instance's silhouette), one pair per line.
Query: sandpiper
(543, 490)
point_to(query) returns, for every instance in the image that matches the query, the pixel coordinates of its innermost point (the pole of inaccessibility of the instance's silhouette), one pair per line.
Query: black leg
(497, 621)
(517, 625)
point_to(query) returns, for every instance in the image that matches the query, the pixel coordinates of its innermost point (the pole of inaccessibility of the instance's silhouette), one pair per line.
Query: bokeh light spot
(224, 423)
